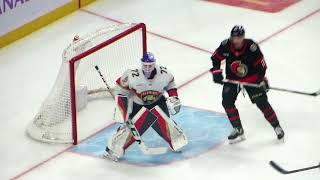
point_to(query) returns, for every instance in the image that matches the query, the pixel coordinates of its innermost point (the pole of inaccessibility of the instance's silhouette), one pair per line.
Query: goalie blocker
(155, 115)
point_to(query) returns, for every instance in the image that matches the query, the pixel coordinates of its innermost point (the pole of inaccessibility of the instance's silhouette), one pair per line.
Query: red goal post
(114, 49)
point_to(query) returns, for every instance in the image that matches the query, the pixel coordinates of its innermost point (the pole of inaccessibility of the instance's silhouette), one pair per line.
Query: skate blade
(237, 140)
(178, 151)
(109, 157)
(281, 141)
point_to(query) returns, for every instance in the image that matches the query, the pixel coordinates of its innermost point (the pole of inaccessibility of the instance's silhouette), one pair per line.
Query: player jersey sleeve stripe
(119, 83)
(173, 92)
(216, 71)
(217, 55)
(259, 60)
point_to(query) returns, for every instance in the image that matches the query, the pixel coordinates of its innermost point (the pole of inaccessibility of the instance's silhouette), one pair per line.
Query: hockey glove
(265, 84)
(173, 104)
(217, 75)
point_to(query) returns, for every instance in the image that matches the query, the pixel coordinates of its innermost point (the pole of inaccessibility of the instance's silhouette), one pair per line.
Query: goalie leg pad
(122, 108)
(124, 137)
(169, 130)
(143, 120)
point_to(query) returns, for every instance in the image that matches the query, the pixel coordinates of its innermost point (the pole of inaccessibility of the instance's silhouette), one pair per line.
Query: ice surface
(29, 66)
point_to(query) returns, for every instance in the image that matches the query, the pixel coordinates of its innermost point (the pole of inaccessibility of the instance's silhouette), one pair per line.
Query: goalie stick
(273, 88)
(143, 147)
(104, 81)
(283, 171)
(134, 131)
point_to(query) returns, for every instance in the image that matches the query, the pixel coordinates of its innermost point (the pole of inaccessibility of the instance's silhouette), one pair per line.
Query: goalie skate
(110, 156)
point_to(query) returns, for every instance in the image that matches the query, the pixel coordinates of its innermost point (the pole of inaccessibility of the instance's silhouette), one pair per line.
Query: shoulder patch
(253, 47)
(224, 42)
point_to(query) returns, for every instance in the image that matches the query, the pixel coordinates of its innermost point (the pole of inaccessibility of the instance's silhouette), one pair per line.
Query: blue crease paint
(205, 131)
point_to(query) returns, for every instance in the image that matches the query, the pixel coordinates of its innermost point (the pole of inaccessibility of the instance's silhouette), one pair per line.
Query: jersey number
(135, 73)
(163, 70)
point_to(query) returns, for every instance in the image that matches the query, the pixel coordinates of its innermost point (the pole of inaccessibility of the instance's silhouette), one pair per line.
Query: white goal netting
(113, 49)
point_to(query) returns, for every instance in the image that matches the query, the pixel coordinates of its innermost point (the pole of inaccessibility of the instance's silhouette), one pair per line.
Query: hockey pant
(257, 96)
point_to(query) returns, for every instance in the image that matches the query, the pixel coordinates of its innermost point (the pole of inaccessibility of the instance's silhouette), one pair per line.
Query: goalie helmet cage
(114, 49)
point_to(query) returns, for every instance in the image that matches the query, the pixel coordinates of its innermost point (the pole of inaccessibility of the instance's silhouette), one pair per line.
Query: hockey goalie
(142, 104)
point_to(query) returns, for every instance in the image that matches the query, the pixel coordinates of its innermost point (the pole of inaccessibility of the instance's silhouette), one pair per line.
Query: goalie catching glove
(174, 104)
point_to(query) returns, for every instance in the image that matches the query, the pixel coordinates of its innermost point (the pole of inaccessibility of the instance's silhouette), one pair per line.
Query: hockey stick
(242, 83)
(143, 147)
(283, 171)
(296, 92)
(96, 91)
(134, 131)
(104, 81)
(272, 88)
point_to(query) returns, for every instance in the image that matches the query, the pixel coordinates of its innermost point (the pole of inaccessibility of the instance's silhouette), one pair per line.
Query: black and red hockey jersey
(246, 64)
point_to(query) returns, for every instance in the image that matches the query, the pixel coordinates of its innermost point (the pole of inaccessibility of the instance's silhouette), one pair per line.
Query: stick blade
(278, 168)
(152, 151)
(317, 93)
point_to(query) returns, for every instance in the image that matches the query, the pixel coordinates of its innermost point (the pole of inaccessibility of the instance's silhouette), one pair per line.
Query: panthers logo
(241, 70)
(150, 96)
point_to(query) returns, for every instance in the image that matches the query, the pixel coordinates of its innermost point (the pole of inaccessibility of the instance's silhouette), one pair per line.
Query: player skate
(245, 64)
(237, 135)
(142, 105)
(280, 133)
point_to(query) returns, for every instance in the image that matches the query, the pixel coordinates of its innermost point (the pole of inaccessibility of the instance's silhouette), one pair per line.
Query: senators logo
(241, 70)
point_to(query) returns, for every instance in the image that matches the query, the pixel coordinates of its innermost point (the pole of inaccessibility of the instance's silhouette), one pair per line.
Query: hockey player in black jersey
(244, 64)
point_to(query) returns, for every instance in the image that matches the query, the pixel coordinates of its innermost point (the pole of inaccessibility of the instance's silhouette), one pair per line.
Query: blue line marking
(205, 130)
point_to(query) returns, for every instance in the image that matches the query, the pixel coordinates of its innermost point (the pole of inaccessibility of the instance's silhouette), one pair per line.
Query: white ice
(29, 66)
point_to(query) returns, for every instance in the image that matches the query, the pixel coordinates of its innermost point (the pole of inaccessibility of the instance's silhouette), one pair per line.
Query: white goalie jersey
(145, 91)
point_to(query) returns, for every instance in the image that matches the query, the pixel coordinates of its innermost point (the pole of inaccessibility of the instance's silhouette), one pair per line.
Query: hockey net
(69, 110)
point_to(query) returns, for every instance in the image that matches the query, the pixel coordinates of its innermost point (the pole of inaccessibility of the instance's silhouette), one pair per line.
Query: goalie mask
(148, 62)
